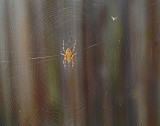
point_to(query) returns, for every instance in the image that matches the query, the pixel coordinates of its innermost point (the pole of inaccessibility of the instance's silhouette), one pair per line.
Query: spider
(68, 56)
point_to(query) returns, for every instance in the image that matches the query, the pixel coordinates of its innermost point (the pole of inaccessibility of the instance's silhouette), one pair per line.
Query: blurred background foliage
(115, 80)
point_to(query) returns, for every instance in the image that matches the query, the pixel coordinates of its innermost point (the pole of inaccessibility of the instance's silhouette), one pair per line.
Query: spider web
(36, 89)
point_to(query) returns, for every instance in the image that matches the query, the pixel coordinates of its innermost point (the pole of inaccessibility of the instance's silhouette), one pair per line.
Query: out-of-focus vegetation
(116, 77)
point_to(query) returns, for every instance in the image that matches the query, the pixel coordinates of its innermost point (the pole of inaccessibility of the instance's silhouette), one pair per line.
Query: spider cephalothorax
(68, 56)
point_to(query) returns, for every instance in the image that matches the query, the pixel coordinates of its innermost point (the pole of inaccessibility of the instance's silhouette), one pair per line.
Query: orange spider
(68, 56)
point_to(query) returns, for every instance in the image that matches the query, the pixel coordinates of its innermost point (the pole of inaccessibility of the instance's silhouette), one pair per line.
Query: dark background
(116, 77)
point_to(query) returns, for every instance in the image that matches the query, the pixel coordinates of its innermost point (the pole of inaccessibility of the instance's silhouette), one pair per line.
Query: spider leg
(72, 61)
(64, 61)
(74, 54)
(63, 47)
(62, 54)
(74, 47)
